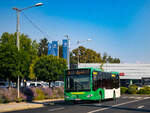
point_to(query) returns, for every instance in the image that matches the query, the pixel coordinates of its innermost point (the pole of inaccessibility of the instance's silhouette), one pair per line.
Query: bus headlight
(89, 95)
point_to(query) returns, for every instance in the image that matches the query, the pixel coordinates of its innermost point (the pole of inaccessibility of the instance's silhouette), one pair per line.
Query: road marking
(97, 104)
(124, 97)
(140, 107)
(55, 109)
(146, 97)
(131, 97)
(138, 97)
(102, 109)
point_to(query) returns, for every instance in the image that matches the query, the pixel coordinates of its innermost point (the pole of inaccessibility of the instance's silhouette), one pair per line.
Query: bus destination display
(79, 72)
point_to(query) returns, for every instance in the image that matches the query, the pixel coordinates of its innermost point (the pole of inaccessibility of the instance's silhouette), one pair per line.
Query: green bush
(3, 99)
(144, 90)
(123, 90)
(132, 89)
(39, 94)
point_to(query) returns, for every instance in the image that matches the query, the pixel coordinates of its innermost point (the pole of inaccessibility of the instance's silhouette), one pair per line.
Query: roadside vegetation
(30, 94)
(133, 89)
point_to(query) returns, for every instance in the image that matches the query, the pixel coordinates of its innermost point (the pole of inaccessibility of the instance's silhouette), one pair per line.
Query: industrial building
(138, 74)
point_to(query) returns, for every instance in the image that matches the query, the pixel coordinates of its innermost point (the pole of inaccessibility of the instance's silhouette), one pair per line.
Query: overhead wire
(36, 26)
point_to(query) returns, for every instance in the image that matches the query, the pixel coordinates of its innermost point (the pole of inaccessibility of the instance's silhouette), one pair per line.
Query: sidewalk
(24, 105)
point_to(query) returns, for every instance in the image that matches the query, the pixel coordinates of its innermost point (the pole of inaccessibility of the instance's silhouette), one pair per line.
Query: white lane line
(146, 97)
(97, 104)
(140, 107)
(55, 109)
(138, 97)
(131, 97)
(102, 109)
(124, 97)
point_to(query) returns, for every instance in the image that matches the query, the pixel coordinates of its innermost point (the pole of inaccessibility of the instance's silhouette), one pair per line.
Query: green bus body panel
(93, 95)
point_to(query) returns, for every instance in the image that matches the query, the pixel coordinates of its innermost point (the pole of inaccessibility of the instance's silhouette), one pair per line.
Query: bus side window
(95, 81)
(100, 79)
(106, 80)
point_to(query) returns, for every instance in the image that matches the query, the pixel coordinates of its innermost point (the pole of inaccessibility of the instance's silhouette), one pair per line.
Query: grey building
(134, 73)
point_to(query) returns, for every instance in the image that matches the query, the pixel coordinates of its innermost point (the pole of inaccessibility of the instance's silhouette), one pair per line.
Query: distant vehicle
(35, 84)
(146, 81)
(45, 85)
(59, 84)
(4, 84)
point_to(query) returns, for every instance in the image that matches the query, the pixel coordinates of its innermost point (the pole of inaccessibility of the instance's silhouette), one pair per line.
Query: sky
(121, 28)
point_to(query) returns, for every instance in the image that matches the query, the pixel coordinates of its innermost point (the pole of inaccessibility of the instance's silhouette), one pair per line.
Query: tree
(49, 68)
(85, 55)
(43, 47)
(60, 51)
(19, 60)
(104, 59)
(9, 61)
(90, 56)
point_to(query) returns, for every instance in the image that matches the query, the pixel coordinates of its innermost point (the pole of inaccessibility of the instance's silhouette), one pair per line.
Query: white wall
(132, 71)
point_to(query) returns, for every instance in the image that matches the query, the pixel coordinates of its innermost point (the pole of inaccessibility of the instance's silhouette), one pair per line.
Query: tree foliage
(43, 47)
(8, 61)
(49, 68)
(14, 62)
(85, 55)
(90, 56)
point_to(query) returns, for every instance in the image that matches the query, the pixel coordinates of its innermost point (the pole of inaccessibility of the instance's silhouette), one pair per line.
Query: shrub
(10, 95)
(47, 92)
(60, 92)
(29, 94)
(144, 90)
(3, 99)
(132, 89)
(39, 94)
(124, 90)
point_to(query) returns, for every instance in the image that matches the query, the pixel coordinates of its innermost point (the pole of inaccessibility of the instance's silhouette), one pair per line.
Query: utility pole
(18, 33)
(18, 45)
(78, 43)
(68, 52)
(58, 49)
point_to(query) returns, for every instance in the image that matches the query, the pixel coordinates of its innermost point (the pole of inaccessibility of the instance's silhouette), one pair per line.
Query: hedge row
(29, 94)
(133, 89)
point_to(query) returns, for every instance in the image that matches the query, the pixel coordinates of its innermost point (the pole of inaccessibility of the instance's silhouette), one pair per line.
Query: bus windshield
(78, 83)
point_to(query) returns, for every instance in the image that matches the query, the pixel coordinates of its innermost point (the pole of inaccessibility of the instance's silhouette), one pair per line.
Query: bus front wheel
(100, 95)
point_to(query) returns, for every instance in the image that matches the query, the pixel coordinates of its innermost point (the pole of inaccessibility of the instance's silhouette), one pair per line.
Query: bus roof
(98, 69)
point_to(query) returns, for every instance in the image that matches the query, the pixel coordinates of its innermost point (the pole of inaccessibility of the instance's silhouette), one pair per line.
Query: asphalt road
(125, 104)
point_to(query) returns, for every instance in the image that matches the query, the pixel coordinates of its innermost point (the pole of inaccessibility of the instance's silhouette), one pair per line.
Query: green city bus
(91, 84)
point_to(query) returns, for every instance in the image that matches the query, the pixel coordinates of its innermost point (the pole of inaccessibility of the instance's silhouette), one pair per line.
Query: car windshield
(2, 84)
(78, 83)
(32, 84)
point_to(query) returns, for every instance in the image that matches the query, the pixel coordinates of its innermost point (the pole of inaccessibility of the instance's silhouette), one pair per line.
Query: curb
(24, 105)
(16, 107)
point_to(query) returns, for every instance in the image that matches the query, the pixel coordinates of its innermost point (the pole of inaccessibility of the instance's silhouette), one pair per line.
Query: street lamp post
(18, 30)
(68, 51)
(78, 43)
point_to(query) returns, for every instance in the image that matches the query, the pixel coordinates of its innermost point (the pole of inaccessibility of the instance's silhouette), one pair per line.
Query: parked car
(4, 84)
(59, 83)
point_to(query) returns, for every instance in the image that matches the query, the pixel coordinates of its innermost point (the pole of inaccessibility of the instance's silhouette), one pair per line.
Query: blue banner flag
(55, 48)
(49, 49)
(65, 48)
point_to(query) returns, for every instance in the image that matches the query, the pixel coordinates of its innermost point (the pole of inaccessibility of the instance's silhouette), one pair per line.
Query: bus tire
(100, 100)
(114, 96)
